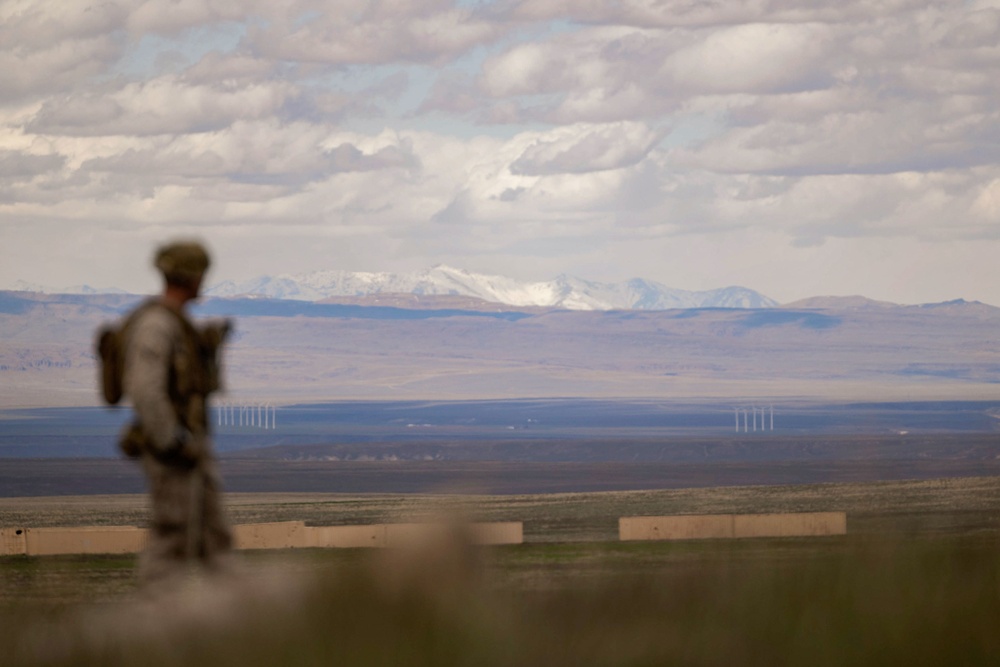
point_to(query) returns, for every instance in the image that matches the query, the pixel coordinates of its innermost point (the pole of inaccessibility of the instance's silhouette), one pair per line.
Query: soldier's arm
(147, 372)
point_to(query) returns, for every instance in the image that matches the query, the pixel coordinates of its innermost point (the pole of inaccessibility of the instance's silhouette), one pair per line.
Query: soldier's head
(183, 264)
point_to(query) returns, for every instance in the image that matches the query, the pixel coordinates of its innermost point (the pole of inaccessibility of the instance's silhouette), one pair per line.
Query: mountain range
(447, 348)
(562, 292)
(444, 287)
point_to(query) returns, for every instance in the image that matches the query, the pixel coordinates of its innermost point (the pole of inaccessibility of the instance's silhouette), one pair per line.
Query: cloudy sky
(794, 147)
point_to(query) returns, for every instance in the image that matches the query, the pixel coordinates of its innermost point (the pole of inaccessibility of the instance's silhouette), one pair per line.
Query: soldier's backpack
(111, 357)
(110, 347)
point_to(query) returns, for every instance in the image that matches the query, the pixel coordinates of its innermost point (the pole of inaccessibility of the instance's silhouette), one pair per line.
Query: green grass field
(916, 581)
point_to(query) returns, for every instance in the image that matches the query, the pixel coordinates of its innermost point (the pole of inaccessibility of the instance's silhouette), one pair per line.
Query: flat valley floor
(915, 581)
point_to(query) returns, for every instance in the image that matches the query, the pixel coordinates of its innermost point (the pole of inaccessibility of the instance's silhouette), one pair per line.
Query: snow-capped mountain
(562, 292)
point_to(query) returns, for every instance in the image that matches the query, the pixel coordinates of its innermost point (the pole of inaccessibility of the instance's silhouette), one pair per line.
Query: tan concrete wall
(680, 527)
(295, 534)
(84, 540)
(708, 526)
(403, 534)
(347, 536)
(789, 525)
(278, 535)
(13, 542)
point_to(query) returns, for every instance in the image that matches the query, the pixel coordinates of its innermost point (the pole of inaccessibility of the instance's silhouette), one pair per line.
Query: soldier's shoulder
(154, 318)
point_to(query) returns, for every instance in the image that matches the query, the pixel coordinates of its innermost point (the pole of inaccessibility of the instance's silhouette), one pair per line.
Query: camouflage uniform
(166, 379)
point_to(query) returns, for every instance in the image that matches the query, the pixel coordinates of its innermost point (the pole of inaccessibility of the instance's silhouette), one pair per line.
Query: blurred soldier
(170, 367)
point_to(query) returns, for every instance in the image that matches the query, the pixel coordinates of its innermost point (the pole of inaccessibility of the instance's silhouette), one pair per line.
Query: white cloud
(592, 75)
(755, 57)
(522, 70)
(987, 203)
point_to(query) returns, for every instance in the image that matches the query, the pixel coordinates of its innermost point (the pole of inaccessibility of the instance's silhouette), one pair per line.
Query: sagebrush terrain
(915, 581)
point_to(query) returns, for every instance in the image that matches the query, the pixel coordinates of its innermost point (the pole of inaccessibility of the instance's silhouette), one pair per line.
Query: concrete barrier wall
(295, 534)
(347, 536)
(278, 535)
(680, 527)
(13, 542)
(789, 525)
(84, 540)
(708, 526)
(403, 534)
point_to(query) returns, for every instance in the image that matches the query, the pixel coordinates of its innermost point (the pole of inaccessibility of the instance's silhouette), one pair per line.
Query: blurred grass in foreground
(832, 601)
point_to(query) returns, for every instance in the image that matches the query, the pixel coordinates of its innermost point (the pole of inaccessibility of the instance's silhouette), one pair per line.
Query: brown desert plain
(292, 352)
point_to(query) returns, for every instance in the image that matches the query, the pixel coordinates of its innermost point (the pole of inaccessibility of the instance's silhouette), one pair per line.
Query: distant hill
(456, 348)
(842, 302)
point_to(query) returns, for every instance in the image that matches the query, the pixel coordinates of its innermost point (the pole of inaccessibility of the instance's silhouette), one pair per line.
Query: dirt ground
(953, 505)
(915, 581)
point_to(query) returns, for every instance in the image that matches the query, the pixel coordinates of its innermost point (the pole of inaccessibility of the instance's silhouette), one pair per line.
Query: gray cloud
(595, 149)
(697, 13)
(529, 130)
(215, 68)
(165, 105)
(347, 157)
(17, 165)
(30, 71)
(243, 155)
(359, 32)
(172, 17)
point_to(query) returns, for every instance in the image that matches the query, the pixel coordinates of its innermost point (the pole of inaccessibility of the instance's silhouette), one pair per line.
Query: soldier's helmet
(182, 262)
